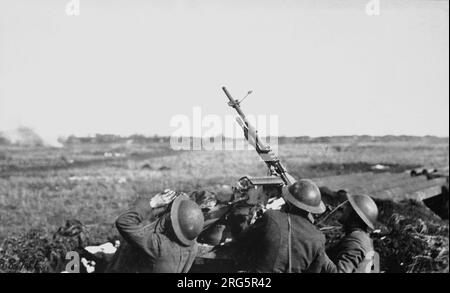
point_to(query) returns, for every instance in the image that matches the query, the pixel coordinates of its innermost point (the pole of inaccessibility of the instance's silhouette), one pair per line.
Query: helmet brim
(359, 212)
(174, 218)
(311, 209)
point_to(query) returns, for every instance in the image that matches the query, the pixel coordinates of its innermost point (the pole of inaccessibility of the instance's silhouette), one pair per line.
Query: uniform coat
(354, 253)
(151, 248)
(269, 236)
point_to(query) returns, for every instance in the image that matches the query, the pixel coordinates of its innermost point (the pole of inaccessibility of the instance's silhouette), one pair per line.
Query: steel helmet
(187, 219)
(365, 207)
(305, 195)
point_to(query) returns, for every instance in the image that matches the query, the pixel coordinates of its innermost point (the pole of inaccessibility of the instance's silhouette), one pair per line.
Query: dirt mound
(417, 240)
(327, 169)
(414, 246)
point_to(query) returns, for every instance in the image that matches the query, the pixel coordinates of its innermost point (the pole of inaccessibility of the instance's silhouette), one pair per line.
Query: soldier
(167, 245)
(287, 240)
(355, 253)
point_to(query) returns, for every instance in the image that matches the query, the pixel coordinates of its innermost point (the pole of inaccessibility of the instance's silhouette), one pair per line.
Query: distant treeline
(142, 139)
(362, 138)
(109, 138)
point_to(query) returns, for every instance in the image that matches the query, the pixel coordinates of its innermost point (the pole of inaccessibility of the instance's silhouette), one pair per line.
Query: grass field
(42, 187)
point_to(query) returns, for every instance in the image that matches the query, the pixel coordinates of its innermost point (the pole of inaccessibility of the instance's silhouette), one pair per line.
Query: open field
(43, 187)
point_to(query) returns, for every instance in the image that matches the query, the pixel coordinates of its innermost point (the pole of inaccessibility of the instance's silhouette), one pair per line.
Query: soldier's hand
(162, 199)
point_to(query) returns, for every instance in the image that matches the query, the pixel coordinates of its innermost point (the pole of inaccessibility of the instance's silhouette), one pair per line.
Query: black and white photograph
(211, 137)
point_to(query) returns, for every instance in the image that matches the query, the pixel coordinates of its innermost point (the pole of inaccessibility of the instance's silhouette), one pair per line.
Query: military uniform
(354, 253)
(270, 244)
(151, 248)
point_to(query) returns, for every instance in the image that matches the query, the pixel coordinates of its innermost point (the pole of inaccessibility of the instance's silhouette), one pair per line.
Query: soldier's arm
(323, 263)
(130, 225)
(351, 254)
(348, 260)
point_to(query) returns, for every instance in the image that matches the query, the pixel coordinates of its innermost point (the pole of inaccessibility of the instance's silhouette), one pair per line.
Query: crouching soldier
(355, 253)
(167, 245)
(286, 240)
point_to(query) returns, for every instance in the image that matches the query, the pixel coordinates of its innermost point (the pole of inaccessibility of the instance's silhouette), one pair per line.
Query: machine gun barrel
(251, 134)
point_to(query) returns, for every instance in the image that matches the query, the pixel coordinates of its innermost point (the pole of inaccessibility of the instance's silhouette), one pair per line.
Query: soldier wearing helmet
(355, 252)
(287, 240)
(167, 245)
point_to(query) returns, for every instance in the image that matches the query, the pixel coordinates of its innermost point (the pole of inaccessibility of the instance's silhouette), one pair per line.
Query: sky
(322, 67)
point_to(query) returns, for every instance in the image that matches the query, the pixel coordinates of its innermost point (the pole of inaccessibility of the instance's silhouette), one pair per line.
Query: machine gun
(249, 202)
(278, 175)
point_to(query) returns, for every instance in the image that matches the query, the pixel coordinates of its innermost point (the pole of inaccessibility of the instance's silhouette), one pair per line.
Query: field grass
(42, 187)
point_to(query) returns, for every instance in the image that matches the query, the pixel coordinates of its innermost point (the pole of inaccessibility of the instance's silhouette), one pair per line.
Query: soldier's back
(306, 243)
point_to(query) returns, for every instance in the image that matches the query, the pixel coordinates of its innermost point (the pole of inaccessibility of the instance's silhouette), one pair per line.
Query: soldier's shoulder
(317, 235)
(361, 239)
(308, 230)
(359, 235)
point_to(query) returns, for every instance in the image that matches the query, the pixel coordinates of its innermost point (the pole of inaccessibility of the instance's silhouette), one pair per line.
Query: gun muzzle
(228, 94)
